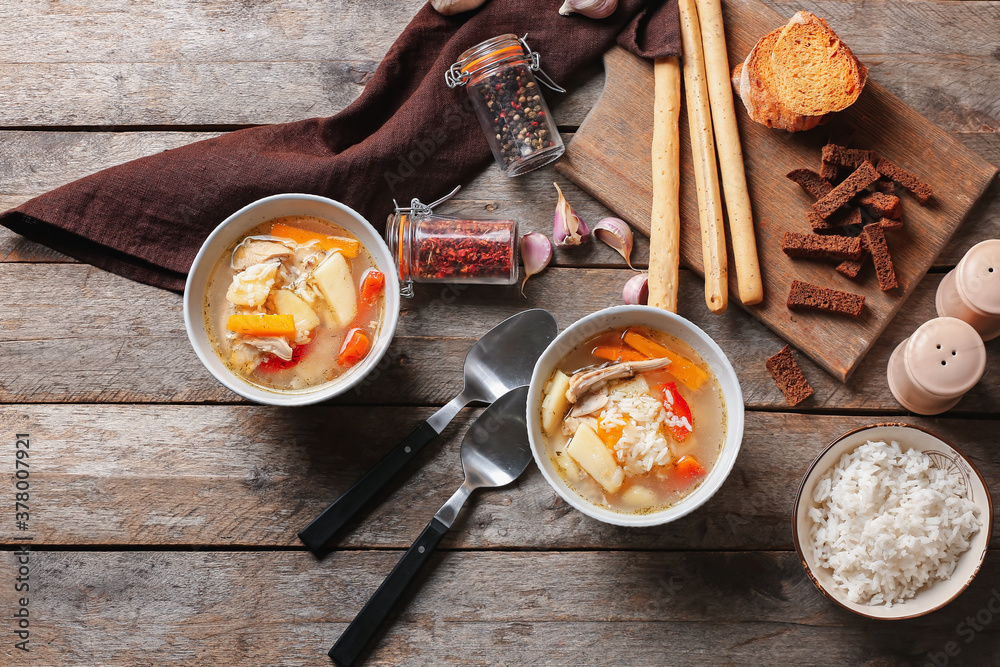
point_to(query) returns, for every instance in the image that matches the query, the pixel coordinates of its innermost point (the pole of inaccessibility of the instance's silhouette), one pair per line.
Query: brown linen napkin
(408, 135)
(655, 32)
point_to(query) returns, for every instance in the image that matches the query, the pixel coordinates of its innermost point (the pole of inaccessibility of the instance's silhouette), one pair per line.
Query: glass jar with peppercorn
(499, 77)
(430, 248)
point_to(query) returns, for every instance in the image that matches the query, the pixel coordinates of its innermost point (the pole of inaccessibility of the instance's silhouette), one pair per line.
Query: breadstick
(713, 238)
(665, 225)
(727, 137)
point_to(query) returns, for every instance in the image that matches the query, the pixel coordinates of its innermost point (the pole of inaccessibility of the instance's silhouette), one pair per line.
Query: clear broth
(318, 360)
(705, 441)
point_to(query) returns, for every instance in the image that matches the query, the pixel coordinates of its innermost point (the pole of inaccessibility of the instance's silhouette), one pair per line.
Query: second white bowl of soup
(635, 416)
(292, 300)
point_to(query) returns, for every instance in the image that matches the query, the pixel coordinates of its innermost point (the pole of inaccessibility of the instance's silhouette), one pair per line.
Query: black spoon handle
(364, 626)
(325, 527)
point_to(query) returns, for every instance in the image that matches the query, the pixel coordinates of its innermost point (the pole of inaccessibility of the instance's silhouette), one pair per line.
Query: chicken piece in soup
(633, 420)
(294, 304)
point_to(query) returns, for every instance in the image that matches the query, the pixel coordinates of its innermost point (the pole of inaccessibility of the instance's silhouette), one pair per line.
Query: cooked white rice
(643, 444)
(889, 523)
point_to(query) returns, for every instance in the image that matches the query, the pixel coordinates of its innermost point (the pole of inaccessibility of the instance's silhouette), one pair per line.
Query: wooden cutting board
(610, 158)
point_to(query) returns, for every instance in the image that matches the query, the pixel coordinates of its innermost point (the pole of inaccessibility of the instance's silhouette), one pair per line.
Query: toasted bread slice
(813, 72)
(753, 81)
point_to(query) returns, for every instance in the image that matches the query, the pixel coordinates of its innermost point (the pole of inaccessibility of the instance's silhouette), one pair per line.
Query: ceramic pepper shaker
(930, 371)
(971, 291)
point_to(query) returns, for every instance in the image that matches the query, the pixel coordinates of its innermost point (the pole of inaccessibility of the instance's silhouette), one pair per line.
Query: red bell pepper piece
(372, 285)
(676, 406)
(273, 363)
(354, 349)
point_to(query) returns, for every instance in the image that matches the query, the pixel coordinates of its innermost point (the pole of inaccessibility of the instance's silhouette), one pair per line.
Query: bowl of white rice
(892, 522)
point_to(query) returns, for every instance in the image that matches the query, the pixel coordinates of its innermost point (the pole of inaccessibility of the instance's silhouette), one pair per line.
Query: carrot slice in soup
(688, 468)
(262, 325)
(685, 370)
(347, 246)
(610, 437)
(613, 353)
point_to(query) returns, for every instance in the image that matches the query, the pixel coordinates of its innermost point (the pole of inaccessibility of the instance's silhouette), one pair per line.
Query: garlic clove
(536, 252)
(617, 234)
(567, 227)
(636, 291)
(451, 7)
(595, 9)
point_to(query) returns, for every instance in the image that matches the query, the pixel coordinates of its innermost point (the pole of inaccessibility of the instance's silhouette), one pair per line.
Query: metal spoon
(502, 360)
(495, 452)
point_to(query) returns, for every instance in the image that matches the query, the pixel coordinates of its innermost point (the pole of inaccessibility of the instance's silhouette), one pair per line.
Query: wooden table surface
(164, 509)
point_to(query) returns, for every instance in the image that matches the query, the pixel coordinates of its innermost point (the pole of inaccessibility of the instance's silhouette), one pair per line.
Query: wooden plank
(73, 333)
(470, 608)
(111, 62)
(108, 62)
(199, 31)
(951, 91)
(245, 476)
(890, 26)
(161, 93)
(609, 157)
(204, 63)
(983, 221)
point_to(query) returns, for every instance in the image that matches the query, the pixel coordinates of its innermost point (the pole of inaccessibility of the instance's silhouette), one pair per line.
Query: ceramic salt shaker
(930, 371)
(971, 291)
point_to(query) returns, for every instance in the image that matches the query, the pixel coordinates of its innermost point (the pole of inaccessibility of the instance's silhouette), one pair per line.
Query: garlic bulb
(449, 7)
(617, 234)
(536, 252)
(595, 9)
(567, 227)
(636, 291)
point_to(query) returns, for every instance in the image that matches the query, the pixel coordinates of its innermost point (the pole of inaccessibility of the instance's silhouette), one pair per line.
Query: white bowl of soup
(292, 300)
(635, 416)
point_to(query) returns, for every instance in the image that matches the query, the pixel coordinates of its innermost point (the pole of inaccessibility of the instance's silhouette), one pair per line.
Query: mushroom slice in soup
(257, 251)
(590, 403)
(584, 381)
